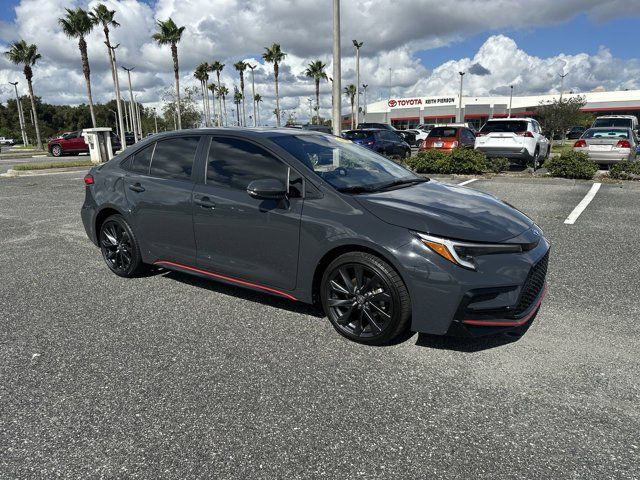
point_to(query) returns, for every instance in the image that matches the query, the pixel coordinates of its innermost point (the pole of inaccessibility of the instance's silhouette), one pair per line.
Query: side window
(173, 158)
(235, 163)
(141, 160)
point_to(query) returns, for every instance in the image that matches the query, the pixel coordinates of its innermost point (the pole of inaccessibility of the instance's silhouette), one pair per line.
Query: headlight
(463, 254)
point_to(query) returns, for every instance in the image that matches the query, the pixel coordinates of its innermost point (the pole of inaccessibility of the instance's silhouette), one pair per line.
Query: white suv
(518, 139)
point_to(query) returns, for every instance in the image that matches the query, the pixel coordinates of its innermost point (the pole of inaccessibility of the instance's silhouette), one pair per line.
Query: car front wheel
(120, 248)
(56, 151)
(365, 299)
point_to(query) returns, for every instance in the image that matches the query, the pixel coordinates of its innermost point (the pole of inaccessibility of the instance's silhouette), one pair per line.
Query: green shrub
(61, 164)
(626, 171)
(497, 165)
(463, 161)
(572, 164)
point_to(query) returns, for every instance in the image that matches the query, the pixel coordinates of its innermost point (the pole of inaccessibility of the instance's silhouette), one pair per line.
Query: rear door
(240, 236)
(75, 143)
(159, 189)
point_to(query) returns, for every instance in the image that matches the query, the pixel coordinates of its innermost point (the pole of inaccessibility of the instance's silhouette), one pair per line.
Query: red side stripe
(508, 323)
(226, 278)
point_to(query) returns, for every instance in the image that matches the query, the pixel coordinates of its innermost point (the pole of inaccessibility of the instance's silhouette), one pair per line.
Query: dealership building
(408, 112)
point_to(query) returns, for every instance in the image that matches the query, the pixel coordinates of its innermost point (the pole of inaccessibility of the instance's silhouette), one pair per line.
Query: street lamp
(461, 119)
(23, 130)
(357, 45)
(562, 83)
(116, 80)
(510, 100)
(132, 111)
(115, 115)
(155, 118)
(253, 93)
(364, 110)
(336, 95)
(138, 118)
(310, 100)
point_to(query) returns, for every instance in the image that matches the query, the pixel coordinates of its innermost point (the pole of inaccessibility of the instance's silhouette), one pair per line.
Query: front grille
(533, 285)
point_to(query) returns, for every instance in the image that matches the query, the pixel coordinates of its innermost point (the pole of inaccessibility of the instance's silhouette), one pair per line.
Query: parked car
(607, 146)
(425, 126)
(7, 141)
(624, 121)
(575, 132)
(318, 128)
(448, 138)
(382, 249)
(520, 140)
(384, 142)
(406, 135)
(72, 143)
(421, 135)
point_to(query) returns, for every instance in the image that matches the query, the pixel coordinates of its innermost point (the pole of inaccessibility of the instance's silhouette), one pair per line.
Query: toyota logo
(392, 103)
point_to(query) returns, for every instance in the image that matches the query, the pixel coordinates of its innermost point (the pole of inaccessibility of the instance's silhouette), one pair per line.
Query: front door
(159, 188)
(240, 236)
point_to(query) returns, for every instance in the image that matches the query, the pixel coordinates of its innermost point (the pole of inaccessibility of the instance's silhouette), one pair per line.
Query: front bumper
(505, 293)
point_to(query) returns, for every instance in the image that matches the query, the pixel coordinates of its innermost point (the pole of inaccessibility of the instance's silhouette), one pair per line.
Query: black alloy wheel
(365, 299)
(119, 247)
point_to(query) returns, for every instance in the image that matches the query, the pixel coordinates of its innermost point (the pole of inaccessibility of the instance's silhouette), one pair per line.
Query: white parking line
(467, 182)
(573, 216)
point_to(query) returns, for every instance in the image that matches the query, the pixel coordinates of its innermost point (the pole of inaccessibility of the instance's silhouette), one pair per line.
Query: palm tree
(237, 99)
(241, 67)
(105, 17)
(170, 34)
(77, 24)
(222, 94)
(316, 71)
(199, 74)
(351, 91)
(21, 53)
(217, 67)
(214, 88)
(257, 98)
(274, 55)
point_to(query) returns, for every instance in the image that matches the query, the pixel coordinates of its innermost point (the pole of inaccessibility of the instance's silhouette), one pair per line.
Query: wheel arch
(102, 215)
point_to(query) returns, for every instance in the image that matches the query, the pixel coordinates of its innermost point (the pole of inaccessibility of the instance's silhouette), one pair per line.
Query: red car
(72, 143)
(448, 138)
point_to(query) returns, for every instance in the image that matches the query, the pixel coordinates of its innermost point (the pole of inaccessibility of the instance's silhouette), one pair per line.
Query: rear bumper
(513, 153)
(608, 157)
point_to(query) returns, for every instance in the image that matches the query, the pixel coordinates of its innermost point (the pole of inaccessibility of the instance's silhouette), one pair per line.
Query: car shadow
(467, 345)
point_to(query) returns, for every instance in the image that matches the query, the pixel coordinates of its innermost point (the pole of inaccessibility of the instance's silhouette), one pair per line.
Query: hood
(447, 211)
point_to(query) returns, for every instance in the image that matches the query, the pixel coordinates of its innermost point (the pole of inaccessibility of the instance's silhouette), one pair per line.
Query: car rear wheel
(120, 248)
(56, 151)
(365, 299)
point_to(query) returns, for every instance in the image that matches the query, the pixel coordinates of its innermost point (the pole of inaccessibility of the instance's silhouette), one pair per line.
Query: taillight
(623, 144)
(580, 144)
(525, 134)
(371, 142)
(88, 179)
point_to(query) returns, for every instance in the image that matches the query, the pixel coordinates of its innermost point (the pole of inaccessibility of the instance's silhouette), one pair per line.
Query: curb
(43, 171)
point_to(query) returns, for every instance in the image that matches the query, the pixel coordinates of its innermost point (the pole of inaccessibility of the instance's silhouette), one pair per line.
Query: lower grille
(533, 285)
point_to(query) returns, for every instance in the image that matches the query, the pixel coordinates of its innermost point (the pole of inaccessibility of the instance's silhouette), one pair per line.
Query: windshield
(612, 122)
(357, 135)
(442, 132)
(505, 126)
(607, 133)
(343, 164)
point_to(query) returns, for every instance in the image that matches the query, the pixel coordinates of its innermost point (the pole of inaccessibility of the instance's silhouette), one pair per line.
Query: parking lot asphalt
(176, 377)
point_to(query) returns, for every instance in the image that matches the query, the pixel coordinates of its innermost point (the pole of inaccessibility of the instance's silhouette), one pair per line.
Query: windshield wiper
(357, 189)
(402, 181)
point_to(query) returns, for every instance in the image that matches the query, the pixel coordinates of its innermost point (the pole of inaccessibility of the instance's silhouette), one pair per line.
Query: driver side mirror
(267, 189)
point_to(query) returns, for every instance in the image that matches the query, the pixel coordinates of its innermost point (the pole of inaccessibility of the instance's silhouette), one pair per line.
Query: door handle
(204, 202)
(136, 187)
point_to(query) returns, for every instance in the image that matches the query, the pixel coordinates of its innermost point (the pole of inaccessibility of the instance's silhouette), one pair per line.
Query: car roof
(249, 132)
(609, 128)
(512, 119)
(617, 116)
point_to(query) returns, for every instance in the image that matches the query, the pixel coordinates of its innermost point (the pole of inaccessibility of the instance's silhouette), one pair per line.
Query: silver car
(608, 145)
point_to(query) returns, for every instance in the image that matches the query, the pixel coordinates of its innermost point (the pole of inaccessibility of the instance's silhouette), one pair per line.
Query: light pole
(461, 119)
(155, 118)
(562, 83)
(133, 115)
(253, 93)
(23, 130)
(510, 100)
(116, 80)
(357, 45)
(364, 110)
(115, 115)
(335, 91)
(310, 100)
(138, 118)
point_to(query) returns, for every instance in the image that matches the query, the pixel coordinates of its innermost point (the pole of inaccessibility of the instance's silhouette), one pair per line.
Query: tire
(536, 158)
(365, 299)
(120, 248)
(407, 153)
(56, 151)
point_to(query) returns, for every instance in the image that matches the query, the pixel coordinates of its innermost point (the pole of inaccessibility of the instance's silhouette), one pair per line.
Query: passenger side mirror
(267, 189)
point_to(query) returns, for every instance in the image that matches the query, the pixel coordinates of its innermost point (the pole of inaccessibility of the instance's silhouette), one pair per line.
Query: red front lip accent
(227, 278)
(509, 323)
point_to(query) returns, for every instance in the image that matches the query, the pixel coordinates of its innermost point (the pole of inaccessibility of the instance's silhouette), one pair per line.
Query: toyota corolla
(317, 219)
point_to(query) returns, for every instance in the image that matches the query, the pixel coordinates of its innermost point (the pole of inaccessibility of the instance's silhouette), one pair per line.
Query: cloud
(239, 29)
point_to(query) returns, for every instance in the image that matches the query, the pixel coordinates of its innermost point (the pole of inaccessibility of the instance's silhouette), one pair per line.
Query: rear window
(607, 133)
(357, 135)
(612, 122)
(443, 132)
(507, 126)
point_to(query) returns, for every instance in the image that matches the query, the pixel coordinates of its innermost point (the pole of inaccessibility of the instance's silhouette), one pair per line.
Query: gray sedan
(608, 145)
